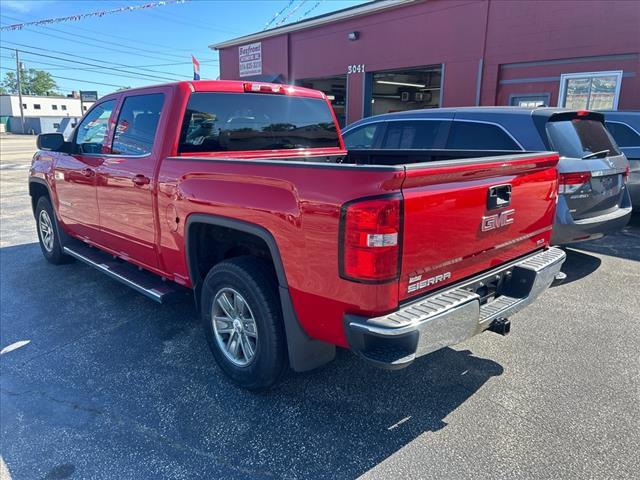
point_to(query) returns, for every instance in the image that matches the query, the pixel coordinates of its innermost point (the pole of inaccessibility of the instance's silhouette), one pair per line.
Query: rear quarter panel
(300, 206)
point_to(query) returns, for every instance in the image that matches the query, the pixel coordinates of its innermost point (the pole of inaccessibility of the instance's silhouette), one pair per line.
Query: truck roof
(227, 86)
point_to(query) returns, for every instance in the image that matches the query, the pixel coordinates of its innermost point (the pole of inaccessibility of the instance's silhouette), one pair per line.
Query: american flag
(196, 68)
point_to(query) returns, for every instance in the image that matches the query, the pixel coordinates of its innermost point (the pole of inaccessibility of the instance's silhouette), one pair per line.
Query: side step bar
(141, 281)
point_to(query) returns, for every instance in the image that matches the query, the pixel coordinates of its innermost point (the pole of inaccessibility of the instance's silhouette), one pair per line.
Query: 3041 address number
(359, 68)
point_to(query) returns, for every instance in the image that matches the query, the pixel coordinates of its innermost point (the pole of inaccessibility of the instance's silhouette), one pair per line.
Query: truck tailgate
(464, 217)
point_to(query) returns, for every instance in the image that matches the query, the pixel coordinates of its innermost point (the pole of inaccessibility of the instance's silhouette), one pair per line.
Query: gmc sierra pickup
(243, 192)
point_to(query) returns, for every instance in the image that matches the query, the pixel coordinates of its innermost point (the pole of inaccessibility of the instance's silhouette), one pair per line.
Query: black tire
(50, 245)
(256, 284)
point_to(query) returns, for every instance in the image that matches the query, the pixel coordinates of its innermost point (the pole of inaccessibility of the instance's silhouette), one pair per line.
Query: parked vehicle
(593, 198)
(244, 193)
(625, 129)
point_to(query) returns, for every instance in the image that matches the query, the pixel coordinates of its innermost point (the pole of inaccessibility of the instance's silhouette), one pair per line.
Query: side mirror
(52, 141)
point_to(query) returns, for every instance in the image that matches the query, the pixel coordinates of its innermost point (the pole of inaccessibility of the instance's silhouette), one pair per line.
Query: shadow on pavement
(110, 378)
(578, 265)
(624, 244)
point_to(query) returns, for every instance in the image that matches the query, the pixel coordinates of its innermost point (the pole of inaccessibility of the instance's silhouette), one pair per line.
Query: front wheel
(48, 233)
(242, 320)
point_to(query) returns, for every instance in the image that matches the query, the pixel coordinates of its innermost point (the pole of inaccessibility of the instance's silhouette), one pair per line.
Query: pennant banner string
(99, 13)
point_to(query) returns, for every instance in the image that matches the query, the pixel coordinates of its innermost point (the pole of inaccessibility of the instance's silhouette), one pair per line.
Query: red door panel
(125, 196)
(75, 174)
(75, 179)
(126, 179)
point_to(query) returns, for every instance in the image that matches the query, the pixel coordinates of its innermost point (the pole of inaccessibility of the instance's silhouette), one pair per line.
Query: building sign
(88, 96)
(250, 59)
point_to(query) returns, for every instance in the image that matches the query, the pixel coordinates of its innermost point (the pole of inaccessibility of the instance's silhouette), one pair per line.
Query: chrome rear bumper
(450, 316)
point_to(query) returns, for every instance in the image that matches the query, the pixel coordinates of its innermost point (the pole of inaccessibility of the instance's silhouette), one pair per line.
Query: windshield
(218, 122)
(581, 138)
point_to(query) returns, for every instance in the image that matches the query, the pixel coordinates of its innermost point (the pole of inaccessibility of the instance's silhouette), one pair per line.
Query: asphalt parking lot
(99, 382)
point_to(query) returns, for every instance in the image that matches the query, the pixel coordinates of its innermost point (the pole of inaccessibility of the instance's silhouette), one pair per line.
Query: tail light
(572, 182)
(370, 239)
(264, 88)
(626, 173)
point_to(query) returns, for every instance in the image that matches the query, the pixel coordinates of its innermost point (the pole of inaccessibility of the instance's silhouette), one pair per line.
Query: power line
(273, 19)
(111, 42)
(172, 19)
(95, 60)
(65, 67)
(132, 50)
(179, 63)
(286, 17)
(93, 69)
(110, 36)
(76, 79)
(316, 5)
(90, 64)
(193, 23)
(136, 51)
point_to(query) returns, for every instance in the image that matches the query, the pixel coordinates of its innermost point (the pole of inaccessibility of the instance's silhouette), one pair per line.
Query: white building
(42, 114)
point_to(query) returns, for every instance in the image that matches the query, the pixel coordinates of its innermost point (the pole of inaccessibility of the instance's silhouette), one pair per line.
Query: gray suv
(593, 200)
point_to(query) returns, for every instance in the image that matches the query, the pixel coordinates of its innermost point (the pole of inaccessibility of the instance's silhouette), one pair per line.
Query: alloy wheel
(234, 326)
(46, 230)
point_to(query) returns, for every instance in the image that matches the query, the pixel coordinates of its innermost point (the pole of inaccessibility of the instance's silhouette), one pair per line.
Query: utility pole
(19, 80)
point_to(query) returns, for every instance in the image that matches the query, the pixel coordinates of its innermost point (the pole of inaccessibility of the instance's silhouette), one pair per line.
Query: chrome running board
(142, 281)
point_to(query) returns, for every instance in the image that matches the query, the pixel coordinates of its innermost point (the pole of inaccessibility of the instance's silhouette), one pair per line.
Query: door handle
(88, 172)
(141, 180)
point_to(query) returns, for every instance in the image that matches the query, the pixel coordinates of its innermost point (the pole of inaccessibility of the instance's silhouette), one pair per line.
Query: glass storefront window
(400, 90)
(528, 100)
(590, 91)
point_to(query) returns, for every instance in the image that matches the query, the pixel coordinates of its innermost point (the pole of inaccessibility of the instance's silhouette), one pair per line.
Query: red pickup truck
(244, 193)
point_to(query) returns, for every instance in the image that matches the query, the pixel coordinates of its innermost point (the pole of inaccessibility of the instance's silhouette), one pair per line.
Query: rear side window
(361, 137)
(623, 134)
(578, 138)
(419, 134)
(137, 124)
(220, 122)
(479, 136)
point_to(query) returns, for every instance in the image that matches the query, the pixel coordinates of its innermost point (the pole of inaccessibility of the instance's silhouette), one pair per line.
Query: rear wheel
(242, 320)
(48, 233)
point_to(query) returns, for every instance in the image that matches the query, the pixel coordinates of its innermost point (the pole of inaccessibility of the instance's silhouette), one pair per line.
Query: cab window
(93, 129)
(137, 124)
(222, 122)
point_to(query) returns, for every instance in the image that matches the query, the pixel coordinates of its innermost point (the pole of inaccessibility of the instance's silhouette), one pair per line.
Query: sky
(116, 49)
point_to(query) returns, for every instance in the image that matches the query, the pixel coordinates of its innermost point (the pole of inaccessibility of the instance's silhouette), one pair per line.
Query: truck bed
(410, 157)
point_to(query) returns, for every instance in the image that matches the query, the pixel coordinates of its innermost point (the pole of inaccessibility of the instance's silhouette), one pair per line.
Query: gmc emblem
(491, 222)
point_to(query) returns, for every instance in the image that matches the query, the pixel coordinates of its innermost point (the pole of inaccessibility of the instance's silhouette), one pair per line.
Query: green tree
(34, 82)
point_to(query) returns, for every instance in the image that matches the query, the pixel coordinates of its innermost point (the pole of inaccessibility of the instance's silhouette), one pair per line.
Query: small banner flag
(196, 68)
